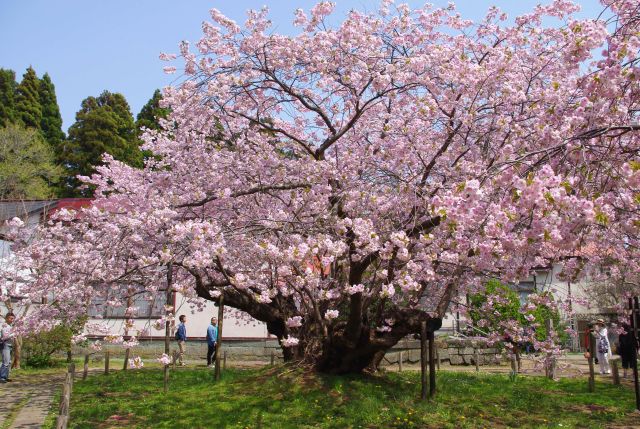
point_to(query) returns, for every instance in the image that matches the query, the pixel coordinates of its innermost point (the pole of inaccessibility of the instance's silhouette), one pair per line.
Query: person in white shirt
(6, 345)
(603, 347)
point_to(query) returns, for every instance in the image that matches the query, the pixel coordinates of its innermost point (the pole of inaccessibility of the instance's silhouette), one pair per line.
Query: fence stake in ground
(635, 308)
(592, 376)
(72, 371)
(476, 356)
(432, 365)
(166, 378)
(437, 356)
(224, 360)
(400, 362)
(614, 371)
(514, 367)
(273, 357)
(106, 362)
(423, 360)
(63, 413)
(126, 360)
(167, 329)
(85, 369)
(550, 367)
(219, 344)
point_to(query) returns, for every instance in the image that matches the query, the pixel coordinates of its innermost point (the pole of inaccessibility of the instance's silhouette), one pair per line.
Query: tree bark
(349, 347)
(17, 352)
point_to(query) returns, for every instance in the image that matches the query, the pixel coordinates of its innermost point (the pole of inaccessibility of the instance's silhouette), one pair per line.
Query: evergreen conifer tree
(51, 122)
(151, 112)
(104, 124)
(7, 97)
(28, 108)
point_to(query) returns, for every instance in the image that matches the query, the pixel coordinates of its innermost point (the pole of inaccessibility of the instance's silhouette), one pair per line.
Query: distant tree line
(37, 159)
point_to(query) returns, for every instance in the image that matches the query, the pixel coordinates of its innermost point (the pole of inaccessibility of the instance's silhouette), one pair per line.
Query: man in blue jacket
(181, 337)
(212, 341)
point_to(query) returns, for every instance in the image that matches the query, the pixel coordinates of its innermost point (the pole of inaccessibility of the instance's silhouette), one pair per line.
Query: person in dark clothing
(627, 348)
(587, 341)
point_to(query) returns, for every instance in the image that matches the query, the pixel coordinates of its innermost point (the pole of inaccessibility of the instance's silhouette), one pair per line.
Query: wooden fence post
(592, 347)
(634, 306)
(476, 358)
(273, 357)
(400, 361)
(106, 362)
(614, 371)
(216, 373)
(72, 371)
(437, 356)
(550, 367)
(126, 359)
(514, 366)
(85, 369)
(174, 358)
(423, 360)
(63, 413)
(432, 365)
(166, 377)
(224, 360)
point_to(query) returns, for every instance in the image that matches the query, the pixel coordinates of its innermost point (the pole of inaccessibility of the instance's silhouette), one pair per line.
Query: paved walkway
(26, 401)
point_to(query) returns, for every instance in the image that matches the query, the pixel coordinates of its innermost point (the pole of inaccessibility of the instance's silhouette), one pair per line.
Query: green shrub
(38, 349)
(509, 309)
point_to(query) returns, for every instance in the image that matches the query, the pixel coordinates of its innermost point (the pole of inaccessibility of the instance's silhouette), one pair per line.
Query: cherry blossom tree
(347, 183)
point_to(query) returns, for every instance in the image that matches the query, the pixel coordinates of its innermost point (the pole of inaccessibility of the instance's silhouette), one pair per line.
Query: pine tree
(104, 124)
(51, 123)
(151, 112)
(28, 108)
(7, 97)
(149, 117)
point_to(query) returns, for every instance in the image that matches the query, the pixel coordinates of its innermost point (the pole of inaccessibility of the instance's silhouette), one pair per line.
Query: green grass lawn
(289, 398)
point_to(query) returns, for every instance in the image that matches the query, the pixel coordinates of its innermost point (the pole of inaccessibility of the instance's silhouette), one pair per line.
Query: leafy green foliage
(28, 108)
(104, 124)
(8, 87)
(502, 312)
(27, 165)
(38, 349)
(507, 307)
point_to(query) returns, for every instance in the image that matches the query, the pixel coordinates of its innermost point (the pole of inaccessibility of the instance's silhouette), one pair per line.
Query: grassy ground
(285, 398)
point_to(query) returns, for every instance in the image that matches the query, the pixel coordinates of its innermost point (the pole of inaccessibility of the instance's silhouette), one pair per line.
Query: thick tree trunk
(344, 357)
(346, 347)
(17, 352)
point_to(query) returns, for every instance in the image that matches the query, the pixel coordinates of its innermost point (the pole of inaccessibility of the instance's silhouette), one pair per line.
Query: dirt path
(26, 401)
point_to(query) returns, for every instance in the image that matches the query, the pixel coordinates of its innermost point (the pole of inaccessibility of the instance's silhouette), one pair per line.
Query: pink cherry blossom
(384, 166)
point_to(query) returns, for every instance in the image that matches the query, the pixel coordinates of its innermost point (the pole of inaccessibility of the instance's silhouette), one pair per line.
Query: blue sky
(89, 46)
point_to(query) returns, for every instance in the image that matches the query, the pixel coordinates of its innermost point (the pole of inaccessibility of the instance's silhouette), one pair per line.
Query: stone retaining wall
(245, 350)
(456, 351)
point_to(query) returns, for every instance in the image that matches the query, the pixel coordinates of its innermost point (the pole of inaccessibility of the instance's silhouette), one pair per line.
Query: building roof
(22, 208)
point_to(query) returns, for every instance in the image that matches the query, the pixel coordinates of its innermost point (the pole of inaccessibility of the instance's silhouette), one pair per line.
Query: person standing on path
(181, 336)
(212, 341)
(627, 346)
(603, 348)
(6, 343)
